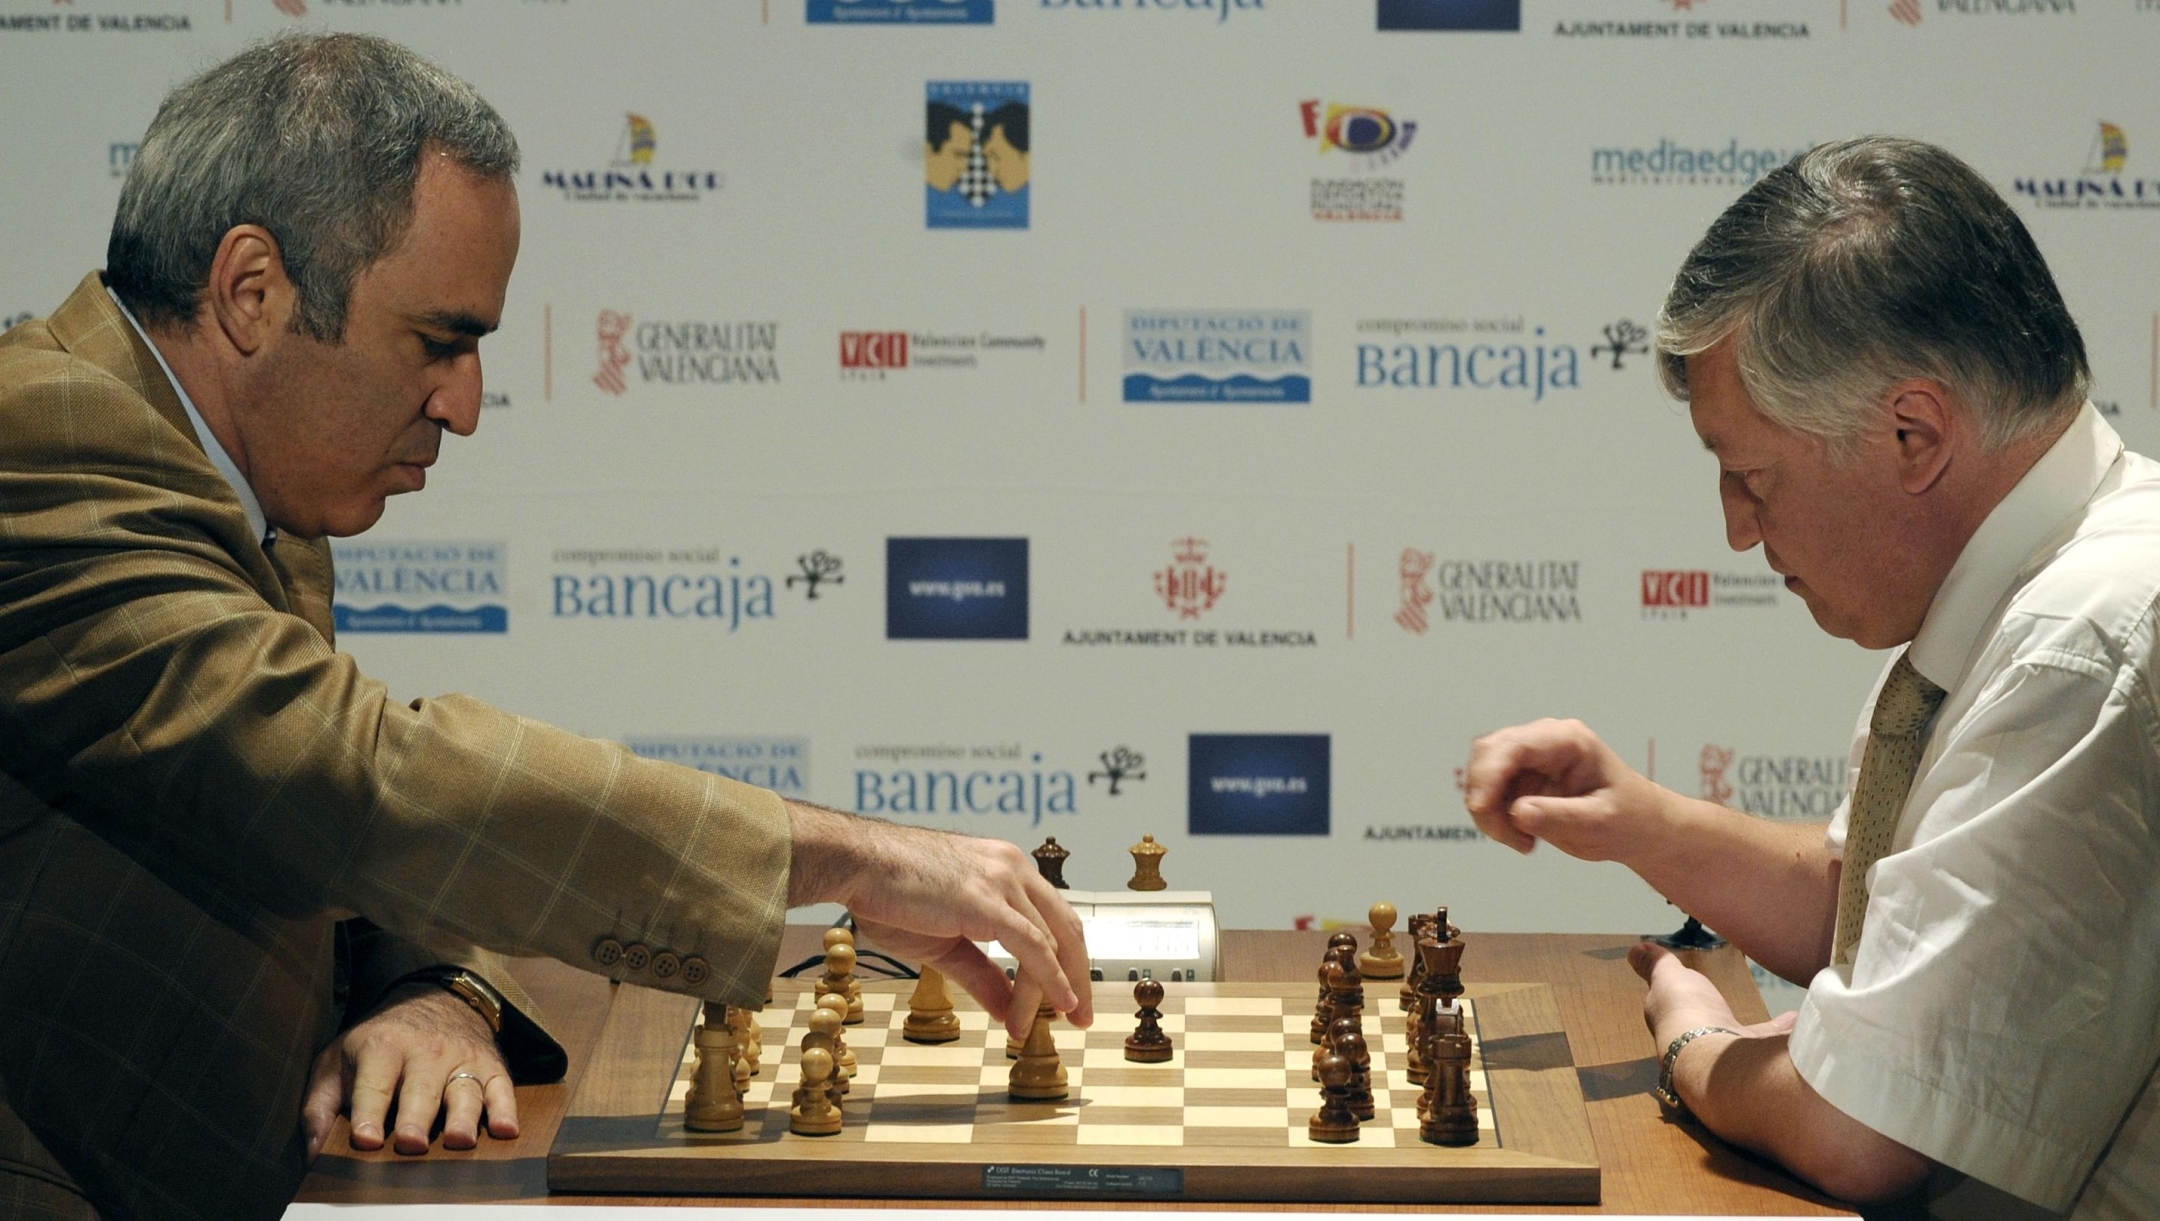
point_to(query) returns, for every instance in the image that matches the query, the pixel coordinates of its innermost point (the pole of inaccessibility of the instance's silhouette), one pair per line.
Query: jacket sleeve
(150, 688)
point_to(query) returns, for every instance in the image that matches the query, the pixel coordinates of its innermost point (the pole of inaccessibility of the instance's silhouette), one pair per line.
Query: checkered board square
(1240, 1077)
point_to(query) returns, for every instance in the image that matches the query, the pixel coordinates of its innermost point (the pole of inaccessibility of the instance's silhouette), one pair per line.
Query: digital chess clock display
(1154, 940)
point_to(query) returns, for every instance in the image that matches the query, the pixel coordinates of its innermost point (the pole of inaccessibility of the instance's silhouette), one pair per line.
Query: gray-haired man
(1874, 351)
(194, 787)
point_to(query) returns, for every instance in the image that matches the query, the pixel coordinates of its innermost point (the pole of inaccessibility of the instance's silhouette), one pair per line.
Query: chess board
(1224, 1119)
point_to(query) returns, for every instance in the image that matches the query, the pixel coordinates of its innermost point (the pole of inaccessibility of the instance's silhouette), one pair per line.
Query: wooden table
(1650, 1164)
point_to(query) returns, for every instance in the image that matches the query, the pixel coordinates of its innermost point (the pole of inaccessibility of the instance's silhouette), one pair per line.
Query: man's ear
(249, 296)
(1927, 426)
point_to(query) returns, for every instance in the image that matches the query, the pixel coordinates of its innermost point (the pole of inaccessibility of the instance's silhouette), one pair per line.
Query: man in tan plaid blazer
(197, 792)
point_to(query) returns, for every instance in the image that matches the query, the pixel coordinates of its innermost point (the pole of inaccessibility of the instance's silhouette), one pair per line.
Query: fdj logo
(1676, 588)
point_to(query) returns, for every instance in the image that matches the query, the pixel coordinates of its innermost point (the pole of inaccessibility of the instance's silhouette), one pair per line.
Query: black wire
(886, 965)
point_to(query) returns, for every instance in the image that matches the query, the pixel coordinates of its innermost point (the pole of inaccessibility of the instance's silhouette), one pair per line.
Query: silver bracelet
(1664, 1090)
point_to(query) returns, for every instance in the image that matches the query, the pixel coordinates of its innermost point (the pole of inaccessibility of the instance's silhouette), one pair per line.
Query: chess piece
(714, 1104)
(930, 1016)
(1383, 960)
(814, 1113)
(1050, 862)
(1347, 990)
(1447, 1114)
(1147, 858)
(1420, 928)
(1148, 1044)
(840, 978)
(1429, 998)
(1348, 1038)
(1447, 967)
(843, 1055)
(749, 1040)
(1321, 1013)
(1037, 1075)
(823, 1036)
(1334, 1123)
(839, 934)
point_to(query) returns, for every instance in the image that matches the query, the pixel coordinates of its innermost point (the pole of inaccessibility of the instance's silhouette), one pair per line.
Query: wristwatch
(467, 987)
(1664, 1090)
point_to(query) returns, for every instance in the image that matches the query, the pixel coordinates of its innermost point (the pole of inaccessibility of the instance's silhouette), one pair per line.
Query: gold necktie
(1886, 774)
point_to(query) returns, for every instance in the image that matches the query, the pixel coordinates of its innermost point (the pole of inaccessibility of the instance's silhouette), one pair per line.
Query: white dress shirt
(2002, 1011)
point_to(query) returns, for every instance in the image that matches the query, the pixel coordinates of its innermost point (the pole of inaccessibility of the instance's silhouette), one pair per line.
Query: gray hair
(317, 138)
(1864, 262)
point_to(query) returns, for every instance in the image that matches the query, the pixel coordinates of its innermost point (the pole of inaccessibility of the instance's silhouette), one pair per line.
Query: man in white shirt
(1877, 355)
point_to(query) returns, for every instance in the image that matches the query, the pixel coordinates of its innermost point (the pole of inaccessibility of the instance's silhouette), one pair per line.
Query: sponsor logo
(1486, 591)
(874, 355)
(12, 321)
(901, 12)
(1623, 339)
(1671, 593)
(1120, 764)
(1653, 26)
(2101, 183)
(820, 567)
(72, 22)
(998, 778)
(1257, 784)
(956, 589)
(1372, 139)
(1220, 8)
(1450, 14)
(779, 764)
(1428, 833)
(1190, 585)
(1909, 11)
(1671, 163)
(420, 586)
(1468, 354)
(634, 174)
(1789, 788)
(692, 353)
(119, 155)
(976, 158)
(648, 583)
(1218, 356)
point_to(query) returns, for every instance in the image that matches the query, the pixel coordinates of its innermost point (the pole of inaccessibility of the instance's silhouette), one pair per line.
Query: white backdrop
(1172, 177)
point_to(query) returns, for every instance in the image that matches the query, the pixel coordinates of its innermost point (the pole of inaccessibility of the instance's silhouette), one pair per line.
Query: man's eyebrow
(456, 322)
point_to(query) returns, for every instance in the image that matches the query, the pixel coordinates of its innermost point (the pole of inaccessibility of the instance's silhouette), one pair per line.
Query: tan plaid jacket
(195, 789)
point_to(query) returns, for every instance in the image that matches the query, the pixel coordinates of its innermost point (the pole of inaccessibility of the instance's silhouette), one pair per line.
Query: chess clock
(1168, 935)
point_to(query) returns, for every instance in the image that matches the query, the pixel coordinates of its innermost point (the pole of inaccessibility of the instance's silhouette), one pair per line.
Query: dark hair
(942, 116)
(1013, 117)
(317, 138)
(1863, 262)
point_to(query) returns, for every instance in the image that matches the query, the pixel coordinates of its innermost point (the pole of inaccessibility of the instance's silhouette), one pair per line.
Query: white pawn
(814, 1113)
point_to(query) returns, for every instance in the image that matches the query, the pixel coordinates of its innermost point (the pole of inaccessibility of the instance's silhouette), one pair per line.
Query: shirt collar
(2062, 480)
(218, 457)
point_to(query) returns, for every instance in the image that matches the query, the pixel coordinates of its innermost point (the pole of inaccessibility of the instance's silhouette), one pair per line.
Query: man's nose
(1743, 530)
(455, 404)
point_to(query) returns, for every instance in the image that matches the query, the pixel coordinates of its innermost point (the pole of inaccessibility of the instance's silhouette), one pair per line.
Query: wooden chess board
(1224, 1119)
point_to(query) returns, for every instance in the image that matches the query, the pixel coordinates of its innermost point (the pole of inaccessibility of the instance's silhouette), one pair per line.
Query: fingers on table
(375, 1080)
(325, 1094)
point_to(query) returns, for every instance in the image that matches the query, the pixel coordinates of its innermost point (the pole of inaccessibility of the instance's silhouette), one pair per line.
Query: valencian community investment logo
(1218, 356)
(975, 155)
(901, 12)
(420, 586)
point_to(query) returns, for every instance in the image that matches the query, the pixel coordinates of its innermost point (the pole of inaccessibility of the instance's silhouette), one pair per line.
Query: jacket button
(665, 964)
(695, 972)
(608, 952)
(635, 957)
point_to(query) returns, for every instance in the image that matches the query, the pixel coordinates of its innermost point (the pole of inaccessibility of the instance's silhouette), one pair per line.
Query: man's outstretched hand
(931, 895)
(1556, 781)
(425, 1053)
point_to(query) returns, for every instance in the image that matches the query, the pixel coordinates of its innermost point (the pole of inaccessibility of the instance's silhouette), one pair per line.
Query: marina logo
(1190, 585)
(1373, 139)
(901, 12)
(1218, 356)
(2100, 184)
(1257, 784)
(1450, 14)
(1487, 591)
(976, 159)
(1466, 354)
(820, 567)
(999, 779)
(1119, 764)
(1670, 163)
(956, 589)
(631, 174)
(638, 583)
(1672, 593)
(1221, 8)
(1787, 788)
(684, 353)
(421, 586)
(779, 764)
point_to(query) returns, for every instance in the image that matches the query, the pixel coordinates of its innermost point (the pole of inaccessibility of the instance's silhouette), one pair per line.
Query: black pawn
(1334, 1123)
(1148, 1044)
(1050, 862)
(1349, 1041)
